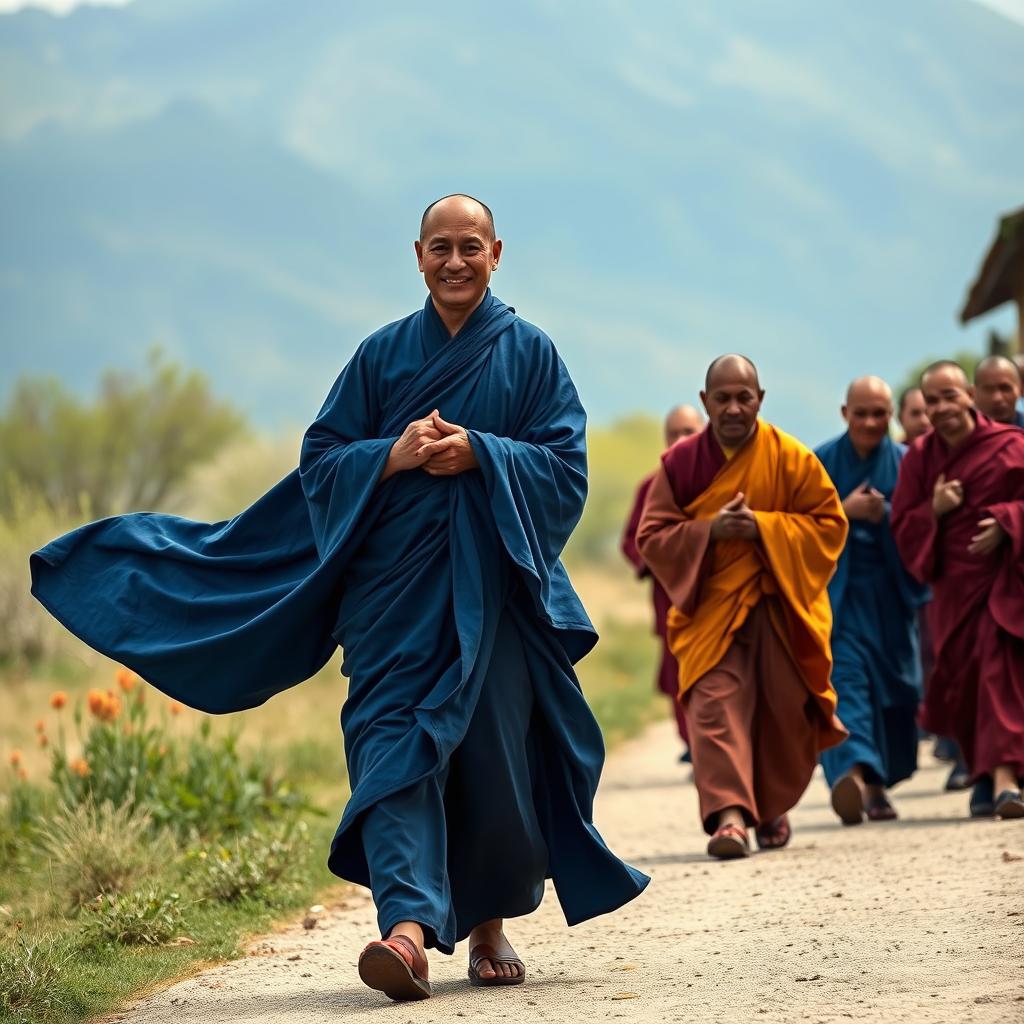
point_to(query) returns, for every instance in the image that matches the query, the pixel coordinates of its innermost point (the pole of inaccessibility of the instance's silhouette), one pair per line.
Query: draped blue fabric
(875, 645)
(411, 577)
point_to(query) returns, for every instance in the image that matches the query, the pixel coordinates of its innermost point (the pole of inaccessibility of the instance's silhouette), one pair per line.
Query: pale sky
(1013, 9)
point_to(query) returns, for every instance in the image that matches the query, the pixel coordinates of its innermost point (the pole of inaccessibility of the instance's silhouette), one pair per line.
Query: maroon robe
(976, 690)
(668, 671)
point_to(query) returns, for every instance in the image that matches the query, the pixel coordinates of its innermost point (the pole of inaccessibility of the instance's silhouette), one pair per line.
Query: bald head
(682, 421)
(997, 388)
(947, 370)
(459, 204)
(868, 389)
(732, 368)
(868, 411)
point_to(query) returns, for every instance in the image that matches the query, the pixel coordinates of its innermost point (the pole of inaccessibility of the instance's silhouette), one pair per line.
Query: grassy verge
(231, 840)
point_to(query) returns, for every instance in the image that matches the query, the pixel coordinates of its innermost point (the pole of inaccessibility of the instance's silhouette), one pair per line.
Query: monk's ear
(970, 391)
(418, 246)
(495, 253)
(760, 397)
(845, 410)
(704, 402)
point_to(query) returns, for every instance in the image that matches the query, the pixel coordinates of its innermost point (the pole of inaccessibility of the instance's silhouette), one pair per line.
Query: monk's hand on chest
(865, 503)
(405, 452)
(989, 536)
(947, 496)
(734, 521)
(451, 453)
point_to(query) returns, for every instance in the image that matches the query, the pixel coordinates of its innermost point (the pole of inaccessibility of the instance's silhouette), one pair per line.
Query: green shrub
(200, 786)
(29, 977)
(252, 866)
(134, 918)
(101, 849)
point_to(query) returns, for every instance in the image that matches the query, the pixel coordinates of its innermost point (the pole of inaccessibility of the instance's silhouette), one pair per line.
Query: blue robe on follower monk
(875, 644)
(472, 754)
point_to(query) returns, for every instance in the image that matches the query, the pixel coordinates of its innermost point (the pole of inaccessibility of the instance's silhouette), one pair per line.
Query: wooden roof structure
(1001, 277)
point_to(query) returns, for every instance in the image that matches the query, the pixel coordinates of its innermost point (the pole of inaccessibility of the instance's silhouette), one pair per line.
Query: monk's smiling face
(457, 252)
(948, 399)
(867, 412)
(732, 397)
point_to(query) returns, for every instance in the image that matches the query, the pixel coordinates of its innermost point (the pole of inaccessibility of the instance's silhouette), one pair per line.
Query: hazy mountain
(241, 181)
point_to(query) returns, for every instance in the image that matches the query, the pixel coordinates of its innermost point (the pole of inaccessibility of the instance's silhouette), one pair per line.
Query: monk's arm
(1010, 514)
(628, 545)
(674, 547)
(803, 542)
(915, 528)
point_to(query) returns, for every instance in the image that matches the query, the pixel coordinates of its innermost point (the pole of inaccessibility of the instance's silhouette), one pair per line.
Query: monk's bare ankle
(1003, 778)
(411, 930)
(732, 816)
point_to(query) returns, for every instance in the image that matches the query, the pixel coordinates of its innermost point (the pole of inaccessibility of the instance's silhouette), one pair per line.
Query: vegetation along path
(918, 920)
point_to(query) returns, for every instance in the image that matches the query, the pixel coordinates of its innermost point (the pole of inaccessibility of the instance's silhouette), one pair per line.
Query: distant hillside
(240, 181)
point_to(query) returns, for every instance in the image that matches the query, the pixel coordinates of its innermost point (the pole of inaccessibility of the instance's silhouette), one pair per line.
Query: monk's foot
(774, 834)
(397, 965)
(878, 806)
(1010, 804)
(729, 842)
(848, 800)
(492, 960)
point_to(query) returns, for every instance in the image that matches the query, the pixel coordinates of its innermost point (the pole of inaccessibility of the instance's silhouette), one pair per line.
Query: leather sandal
(879, 809)
(848, 800)
(728, 843)
(395, 967)
(1010, 804)
(478, 954)
(774, 834)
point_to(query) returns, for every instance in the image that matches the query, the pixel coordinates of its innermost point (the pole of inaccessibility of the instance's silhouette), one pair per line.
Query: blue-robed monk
(421, 533)
(875, 644)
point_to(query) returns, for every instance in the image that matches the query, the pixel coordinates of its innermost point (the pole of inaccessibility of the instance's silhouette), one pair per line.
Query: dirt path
(918, 921)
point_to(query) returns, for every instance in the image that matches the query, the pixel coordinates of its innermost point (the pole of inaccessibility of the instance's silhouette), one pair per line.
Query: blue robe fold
(409, 576)
(875, 644)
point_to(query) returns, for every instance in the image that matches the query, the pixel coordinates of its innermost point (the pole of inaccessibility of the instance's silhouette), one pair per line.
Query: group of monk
(831, 606)
(422, 531)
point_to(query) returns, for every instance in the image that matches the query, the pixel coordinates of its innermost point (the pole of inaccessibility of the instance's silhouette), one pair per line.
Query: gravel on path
(917, 921)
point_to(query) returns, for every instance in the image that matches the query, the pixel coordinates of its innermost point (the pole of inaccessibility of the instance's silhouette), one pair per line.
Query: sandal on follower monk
(478, 954)
(728, 843)
(848, 800)
(395, 967)
(774, 834)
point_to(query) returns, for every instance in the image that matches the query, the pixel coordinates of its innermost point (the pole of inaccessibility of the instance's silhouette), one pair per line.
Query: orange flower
(43, 739)
(105, 706)
(80, 766)
(22, 774)
(58, 699)
(126, 679)
(175, 707)
(15, 758)
(40, 726)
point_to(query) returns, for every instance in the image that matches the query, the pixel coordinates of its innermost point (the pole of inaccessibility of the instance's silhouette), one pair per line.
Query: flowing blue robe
(875, 645)
(410, 576)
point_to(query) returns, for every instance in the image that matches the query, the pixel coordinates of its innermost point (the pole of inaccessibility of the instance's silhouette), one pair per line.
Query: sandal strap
(487, 952)
(406, 949)
(733, 830)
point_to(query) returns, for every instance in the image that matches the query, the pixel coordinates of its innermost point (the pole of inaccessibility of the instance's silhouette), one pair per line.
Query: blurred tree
(133, 447)
(620, 456)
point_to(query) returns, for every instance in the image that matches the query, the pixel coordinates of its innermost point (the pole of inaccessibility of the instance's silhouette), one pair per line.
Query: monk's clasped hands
(451, 453)
(947, 496)
(735, 521)
(865, 503)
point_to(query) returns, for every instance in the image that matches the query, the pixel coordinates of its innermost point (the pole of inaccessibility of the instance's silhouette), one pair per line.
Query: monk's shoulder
(683, 454)
(795, 454)
(531, 343)
(384, 340)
